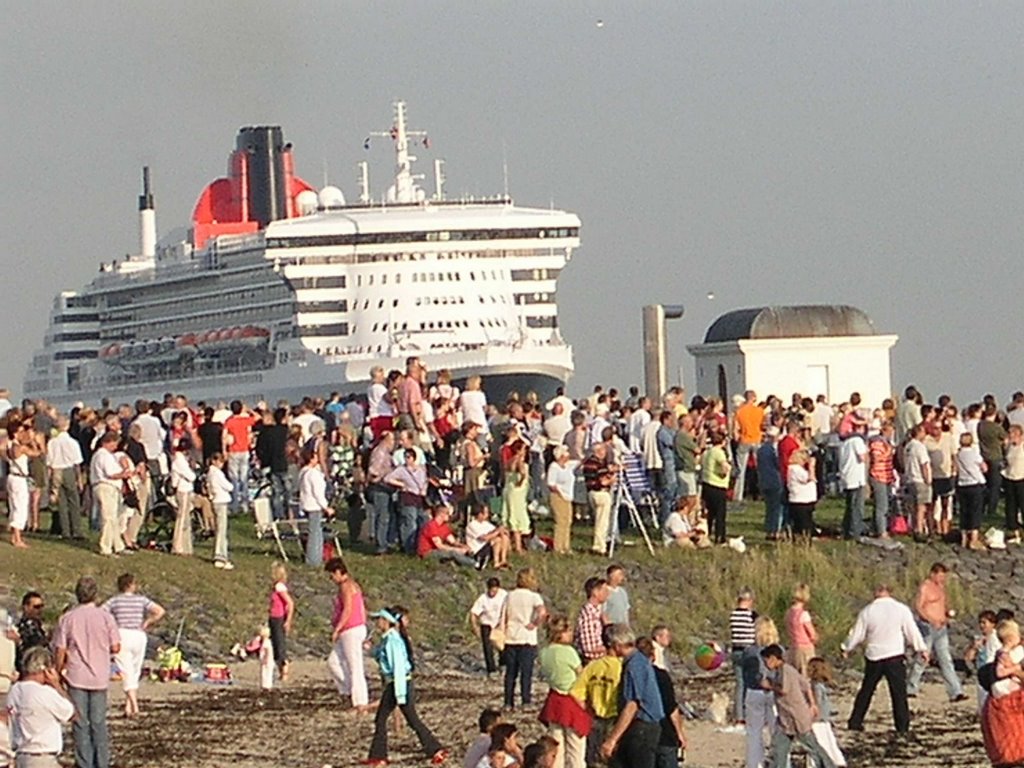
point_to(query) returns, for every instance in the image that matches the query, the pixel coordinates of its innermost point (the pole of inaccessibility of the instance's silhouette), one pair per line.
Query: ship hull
(538, 370)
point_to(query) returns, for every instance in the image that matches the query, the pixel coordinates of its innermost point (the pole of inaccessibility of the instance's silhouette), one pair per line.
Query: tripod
(623, 497)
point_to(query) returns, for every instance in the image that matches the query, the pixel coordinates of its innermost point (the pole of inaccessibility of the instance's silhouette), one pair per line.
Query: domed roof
(818, 320)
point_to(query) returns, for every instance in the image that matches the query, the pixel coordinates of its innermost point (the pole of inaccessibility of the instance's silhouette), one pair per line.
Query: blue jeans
(880, 493)
(772, 509)
(408, 527)
(279, 495)
(853, 519)
(92, 742)
(519, 661)
(739, 690)
(380, 516)
(443, 556)
(315, 538)
(937, 642)
(238, 473)
(669, 493)
(743, 453)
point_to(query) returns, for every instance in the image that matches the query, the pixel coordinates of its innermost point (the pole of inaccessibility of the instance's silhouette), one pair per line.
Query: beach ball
(709, 656)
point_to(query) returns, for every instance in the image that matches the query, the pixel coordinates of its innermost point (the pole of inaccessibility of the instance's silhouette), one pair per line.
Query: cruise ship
(279, 290)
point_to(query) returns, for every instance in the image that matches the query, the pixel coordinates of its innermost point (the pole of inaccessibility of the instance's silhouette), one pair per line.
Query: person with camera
(38, 707)
(599, 473)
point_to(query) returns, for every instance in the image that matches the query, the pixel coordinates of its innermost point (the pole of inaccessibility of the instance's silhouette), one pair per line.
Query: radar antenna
(405, 189)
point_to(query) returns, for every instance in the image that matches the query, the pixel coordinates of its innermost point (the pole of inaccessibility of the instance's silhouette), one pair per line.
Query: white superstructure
(282, 290)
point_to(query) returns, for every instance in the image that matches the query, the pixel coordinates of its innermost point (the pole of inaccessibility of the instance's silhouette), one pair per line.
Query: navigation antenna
(404, 189)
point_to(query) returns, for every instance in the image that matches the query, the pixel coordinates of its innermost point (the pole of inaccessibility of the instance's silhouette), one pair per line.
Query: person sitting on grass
(487, 542)
(437, 542)
(679, 532)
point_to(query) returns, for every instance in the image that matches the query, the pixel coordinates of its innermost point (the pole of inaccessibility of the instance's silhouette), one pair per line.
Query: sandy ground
(305, 724)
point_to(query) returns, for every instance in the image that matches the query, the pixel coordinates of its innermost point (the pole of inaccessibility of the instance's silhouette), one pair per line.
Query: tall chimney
(147, 219)
(268, 198)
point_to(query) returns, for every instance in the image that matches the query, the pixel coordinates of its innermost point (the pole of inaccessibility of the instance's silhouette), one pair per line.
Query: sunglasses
(37, 606)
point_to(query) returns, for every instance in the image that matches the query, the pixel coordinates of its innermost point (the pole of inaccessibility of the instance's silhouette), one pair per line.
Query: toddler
(820, 674)
(266, 660)
(1008, 661)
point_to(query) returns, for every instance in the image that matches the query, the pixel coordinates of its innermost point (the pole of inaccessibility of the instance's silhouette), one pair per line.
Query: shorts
(942, 486)
(688, 484)
(920, 493)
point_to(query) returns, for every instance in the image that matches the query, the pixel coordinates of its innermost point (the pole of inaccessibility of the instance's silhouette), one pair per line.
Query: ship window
(415, 277)
(366, 304)
(380, 304)
(398, 279)
(394, 302)
(359, 280)
(384, 327)
(472, 275)
(374, 329)
(405, 326)
(384, 279)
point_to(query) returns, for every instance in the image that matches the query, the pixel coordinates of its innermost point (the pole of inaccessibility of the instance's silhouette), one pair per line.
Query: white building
(813, 350)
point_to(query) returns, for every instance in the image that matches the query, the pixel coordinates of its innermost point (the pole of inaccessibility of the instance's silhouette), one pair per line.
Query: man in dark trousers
(271, 451)
(885, 626)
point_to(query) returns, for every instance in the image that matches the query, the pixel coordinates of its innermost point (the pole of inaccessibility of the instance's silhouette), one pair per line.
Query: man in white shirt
(37, 707)
(853, 474)
(306, 419)
(917, 473)
(637, 423)
(557, 425)
(152, 437)
(486, 614)
(885, 626)
(64, 462)
(105, 476)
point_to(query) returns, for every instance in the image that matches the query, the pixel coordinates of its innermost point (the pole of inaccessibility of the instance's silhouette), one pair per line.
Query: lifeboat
(253, 337)
(187, 344)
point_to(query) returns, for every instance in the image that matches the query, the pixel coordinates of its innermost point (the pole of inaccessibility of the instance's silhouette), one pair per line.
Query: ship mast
(404, 189)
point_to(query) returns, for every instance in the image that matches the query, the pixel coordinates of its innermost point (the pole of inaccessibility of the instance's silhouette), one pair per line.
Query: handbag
(498, 638)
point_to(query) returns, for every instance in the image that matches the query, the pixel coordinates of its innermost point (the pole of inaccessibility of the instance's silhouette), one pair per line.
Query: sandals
(440, 757)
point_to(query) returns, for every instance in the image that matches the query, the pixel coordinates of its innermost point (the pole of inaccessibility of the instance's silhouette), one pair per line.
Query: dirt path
(304, 725)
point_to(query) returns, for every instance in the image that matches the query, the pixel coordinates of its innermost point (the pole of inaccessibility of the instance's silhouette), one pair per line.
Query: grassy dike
(691, 591)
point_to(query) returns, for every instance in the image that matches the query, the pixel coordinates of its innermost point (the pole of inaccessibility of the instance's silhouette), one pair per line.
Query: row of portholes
(435, 300)
(433, 277)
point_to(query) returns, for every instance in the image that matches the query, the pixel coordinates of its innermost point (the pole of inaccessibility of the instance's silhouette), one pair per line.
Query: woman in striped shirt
(134, 614)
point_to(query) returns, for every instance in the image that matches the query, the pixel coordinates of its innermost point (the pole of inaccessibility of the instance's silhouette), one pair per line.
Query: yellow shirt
(597, 687)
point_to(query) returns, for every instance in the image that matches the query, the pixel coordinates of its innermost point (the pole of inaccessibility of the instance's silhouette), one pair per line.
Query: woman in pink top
(348, 635)
(800, 628)
(280, 615)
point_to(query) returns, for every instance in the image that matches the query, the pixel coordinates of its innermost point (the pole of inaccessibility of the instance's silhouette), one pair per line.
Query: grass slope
(691, 591)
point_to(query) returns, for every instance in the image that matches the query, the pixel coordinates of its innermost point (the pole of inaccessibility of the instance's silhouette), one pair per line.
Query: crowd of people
(390, 458)
(443, 474)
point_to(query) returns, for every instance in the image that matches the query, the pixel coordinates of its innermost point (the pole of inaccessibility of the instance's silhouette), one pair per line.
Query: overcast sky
(864, 153)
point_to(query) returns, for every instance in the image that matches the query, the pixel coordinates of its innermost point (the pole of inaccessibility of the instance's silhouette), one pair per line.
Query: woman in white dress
(18, 496)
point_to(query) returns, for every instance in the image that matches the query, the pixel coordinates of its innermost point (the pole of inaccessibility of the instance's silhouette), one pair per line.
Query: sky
(862, 153)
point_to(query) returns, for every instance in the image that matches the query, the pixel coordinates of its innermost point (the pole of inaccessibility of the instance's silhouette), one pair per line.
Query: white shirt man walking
(885, 626)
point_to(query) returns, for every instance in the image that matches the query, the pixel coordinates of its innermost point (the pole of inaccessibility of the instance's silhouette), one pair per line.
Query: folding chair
(639, 485)
(265, 523)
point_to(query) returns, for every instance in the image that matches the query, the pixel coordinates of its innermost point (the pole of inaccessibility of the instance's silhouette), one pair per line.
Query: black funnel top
(267, 194)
